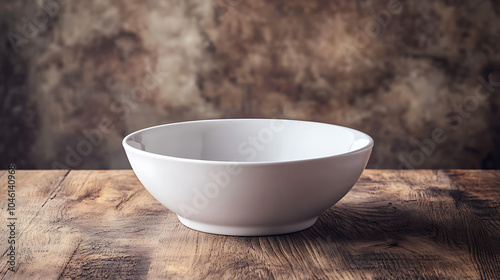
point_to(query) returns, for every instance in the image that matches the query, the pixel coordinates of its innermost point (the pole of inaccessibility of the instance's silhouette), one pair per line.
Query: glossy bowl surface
(248, 176)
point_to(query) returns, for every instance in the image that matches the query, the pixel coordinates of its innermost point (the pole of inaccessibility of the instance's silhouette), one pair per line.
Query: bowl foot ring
(247, 230)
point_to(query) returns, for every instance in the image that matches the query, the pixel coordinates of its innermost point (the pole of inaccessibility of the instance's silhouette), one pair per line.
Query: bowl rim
(128, 147)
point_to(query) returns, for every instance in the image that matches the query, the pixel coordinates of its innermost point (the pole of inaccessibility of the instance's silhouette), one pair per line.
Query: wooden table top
(411, 224)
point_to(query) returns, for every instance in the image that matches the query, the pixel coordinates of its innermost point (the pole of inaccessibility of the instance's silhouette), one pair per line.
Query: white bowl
(248, 176)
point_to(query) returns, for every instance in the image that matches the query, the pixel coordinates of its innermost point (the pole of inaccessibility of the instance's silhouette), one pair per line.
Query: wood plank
(33, 190)
(476, 194)
(394, 224)
(88, 229)
(391, 225)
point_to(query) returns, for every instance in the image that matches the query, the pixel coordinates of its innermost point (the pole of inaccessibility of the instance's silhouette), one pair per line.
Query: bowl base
(247, 230)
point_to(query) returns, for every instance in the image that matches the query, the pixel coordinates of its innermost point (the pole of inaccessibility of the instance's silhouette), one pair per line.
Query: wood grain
(394, 224)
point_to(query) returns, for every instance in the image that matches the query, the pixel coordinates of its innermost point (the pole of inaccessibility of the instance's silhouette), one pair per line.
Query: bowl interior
(249, 140)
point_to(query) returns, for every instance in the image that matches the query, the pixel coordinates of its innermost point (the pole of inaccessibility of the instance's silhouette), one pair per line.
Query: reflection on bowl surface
(248, 176)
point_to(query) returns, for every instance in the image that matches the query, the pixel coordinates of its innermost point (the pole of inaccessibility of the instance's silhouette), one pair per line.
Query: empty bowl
(248, 176)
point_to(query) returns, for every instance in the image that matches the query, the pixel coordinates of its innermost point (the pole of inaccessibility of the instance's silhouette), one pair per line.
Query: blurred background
(421, 77)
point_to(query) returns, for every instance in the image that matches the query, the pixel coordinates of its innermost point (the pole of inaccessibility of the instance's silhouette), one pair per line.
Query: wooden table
(423, 224)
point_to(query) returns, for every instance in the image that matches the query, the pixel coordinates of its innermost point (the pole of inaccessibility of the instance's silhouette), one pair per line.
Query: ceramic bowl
(248, 176)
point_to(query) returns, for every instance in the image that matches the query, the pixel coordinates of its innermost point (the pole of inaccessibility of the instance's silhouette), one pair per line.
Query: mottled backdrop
(421, 77)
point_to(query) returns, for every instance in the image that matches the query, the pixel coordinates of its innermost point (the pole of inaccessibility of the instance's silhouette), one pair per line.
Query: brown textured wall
(400, 71)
